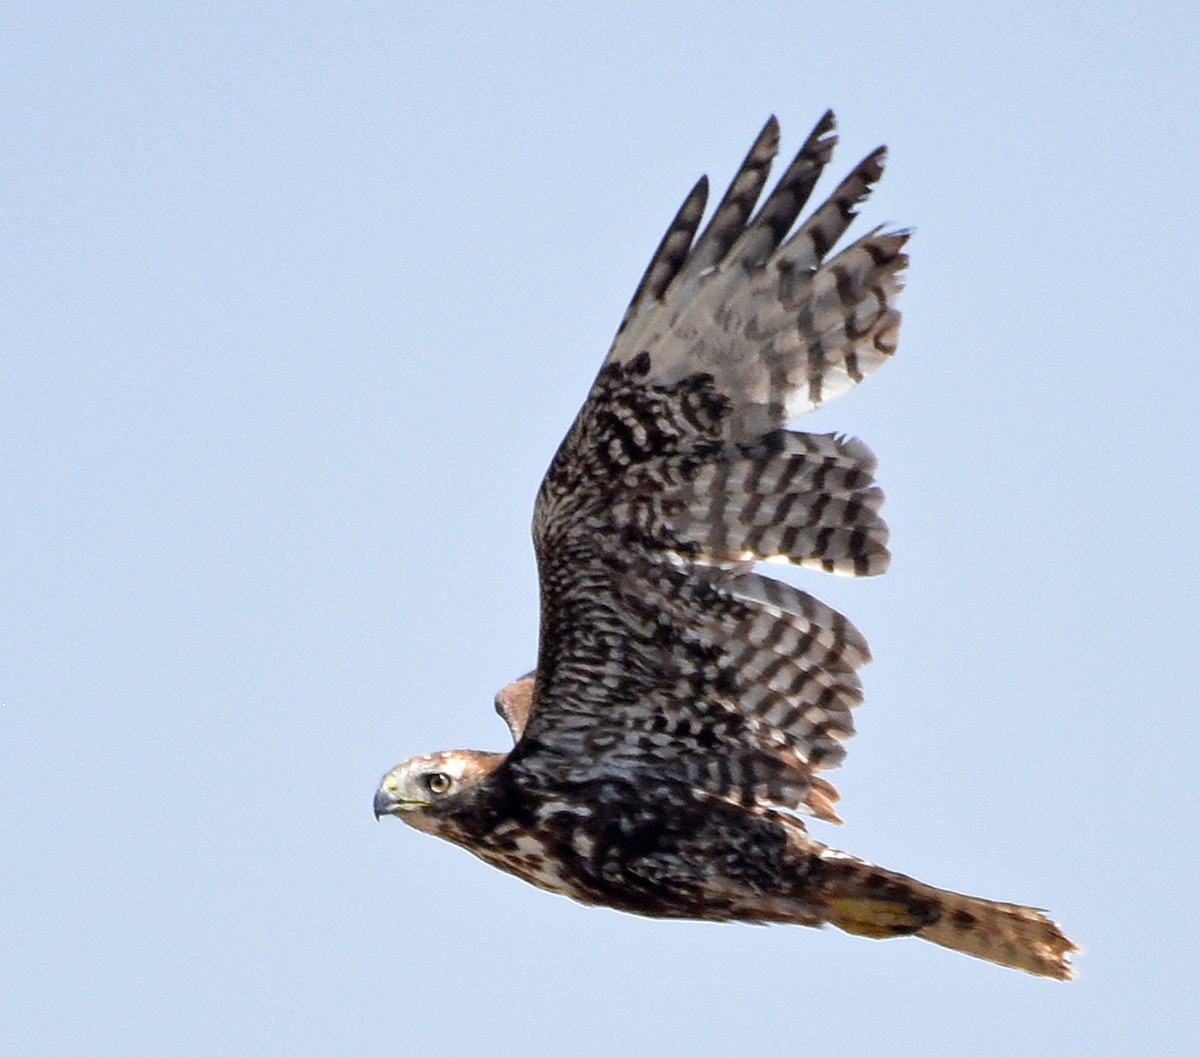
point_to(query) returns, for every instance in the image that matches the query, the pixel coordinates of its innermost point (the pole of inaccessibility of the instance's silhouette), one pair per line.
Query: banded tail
(873, 902)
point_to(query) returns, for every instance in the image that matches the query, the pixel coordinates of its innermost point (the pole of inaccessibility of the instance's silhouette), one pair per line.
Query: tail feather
(873, 902)
(1008, 934)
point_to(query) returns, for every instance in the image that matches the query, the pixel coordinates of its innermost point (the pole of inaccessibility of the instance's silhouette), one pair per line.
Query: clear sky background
(298, 299)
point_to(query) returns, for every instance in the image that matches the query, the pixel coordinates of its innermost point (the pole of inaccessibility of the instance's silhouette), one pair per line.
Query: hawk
(684, 705)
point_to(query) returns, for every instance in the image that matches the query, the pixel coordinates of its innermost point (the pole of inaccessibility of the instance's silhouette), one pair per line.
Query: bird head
(423, 786)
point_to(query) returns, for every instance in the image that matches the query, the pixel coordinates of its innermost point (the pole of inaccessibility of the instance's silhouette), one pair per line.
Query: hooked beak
(390, 802)
(384, 805)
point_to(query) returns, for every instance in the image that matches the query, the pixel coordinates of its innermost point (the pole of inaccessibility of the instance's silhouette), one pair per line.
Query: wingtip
(768, 139)
(870, 171)
(693, 206)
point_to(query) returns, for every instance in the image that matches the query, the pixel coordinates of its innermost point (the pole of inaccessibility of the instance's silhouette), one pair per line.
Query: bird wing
(513, 702)
(662, 653)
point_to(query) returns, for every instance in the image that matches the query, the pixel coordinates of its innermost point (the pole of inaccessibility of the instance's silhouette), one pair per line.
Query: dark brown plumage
(683, 705)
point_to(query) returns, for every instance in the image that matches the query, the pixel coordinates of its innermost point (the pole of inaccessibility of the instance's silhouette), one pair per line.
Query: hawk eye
(437, 782)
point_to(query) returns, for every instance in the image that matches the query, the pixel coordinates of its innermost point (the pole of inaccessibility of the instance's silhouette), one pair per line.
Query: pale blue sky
(299, 299)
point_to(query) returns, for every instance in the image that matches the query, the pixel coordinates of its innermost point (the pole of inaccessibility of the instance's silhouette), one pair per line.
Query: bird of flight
(684, 705)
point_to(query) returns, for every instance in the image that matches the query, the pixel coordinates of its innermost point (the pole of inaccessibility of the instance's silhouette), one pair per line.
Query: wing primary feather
(729, 220)
(672, 251)
(783, 205)
(807, 248)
